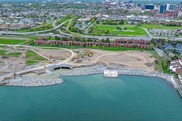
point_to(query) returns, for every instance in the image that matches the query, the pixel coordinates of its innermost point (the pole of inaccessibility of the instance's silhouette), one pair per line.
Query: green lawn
(116, 48)
(2, 52)
(39, 28)
(61, 21)
(161, 64)
(11, 54)
(33, 58)
(1, 46)
(130, 30)
(66, 24)
(149, 26)
(105, 48)
(64, 30)
(11, 41)
(14, 54)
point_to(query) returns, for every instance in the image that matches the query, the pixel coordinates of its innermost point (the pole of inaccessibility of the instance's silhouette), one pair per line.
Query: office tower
(149, 7)
(162, 8)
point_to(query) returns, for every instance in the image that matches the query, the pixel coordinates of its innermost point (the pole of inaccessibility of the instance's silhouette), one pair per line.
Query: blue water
(93, 97)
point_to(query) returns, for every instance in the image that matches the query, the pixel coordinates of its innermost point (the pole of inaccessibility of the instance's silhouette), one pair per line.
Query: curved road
(31, 33)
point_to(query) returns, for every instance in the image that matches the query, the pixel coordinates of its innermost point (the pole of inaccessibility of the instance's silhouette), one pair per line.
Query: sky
(102, 0)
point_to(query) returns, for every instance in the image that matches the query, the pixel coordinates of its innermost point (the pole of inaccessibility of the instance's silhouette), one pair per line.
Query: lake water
(93, 98)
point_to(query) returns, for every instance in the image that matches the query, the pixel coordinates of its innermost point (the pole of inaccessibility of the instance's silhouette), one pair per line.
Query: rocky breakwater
(32, 82)
(97, 69)
(146, 73)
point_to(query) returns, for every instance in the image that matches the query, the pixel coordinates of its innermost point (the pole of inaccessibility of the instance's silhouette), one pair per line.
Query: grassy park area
(117, 48)
(106, 48)
(61, 21)
(9, 54)
(161, 64)
(150, 26)
(11, 41)
(39, 28)
(128, 30)
(33, 58)
(66, 24)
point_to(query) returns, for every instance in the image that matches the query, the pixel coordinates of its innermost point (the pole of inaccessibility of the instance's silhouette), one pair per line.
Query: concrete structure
(55, 67)
(111, 73)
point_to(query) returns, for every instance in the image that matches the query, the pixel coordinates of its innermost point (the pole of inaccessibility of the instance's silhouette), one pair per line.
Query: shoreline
(99, 69)
(35, 81)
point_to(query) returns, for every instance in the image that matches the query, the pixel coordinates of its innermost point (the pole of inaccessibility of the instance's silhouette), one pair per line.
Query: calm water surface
(94, 97)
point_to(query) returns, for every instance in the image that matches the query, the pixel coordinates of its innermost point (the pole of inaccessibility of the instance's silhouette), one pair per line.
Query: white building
(168, 7)
(111, 73)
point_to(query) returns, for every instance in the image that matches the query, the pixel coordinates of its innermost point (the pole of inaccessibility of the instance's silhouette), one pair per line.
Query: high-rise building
(170, 7)
(139, 5)
(149, 7)
(179, 6)
(162, 8)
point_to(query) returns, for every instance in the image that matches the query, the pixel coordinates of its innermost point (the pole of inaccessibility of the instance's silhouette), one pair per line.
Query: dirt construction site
(14, 59)
(18, 58)
(129, 59)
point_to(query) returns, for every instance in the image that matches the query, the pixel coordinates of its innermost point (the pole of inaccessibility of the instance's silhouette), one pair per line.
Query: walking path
(39, 54)
(39, 67)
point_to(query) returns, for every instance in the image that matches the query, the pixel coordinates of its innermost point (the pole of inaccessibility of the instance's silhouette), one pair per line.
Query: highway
(31, 33)
(92, 25)
(62, 34)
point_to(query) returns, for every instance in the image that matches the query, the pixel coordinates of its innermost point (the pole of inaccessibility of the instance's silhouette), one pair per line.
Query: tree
(57, 38)
(107, 40)
(49, 37)
(68, 16)
(121, 22)
(107, 32)
(175, 52)
(152, 45)
(89, 40)
(102, 40)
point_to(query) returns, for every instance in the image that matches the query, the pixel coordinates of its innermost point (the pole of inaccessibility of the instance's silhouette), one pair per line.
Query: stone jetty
(32, 82)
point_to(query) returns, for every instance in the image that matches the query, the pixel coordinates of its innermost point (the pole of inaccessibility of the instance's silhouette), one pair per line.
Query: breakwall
(26, 81)
(99, 69)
